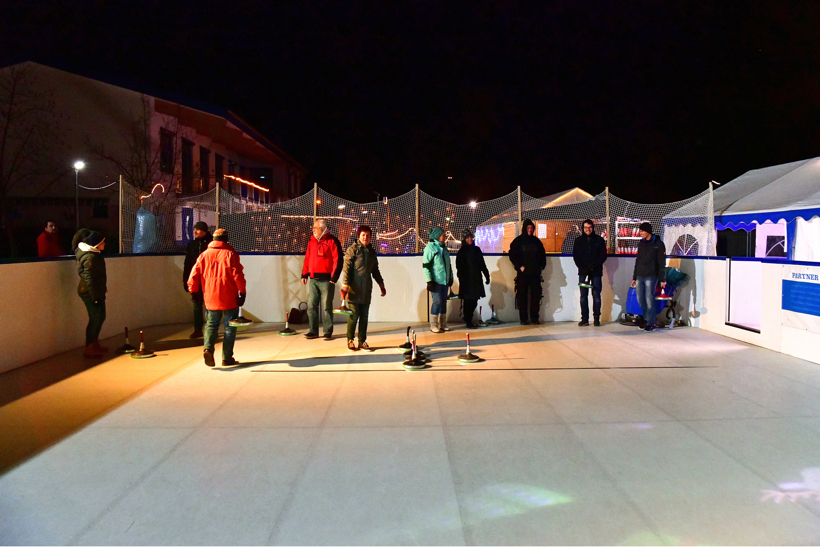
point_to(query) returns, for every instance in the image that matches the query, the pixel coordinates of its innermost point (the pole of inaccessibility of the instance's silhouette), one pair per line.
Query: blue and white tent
(785, 195)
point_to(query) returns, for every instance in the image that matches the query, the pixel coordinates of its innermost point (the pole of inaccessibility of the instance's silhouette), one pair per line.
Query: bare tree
(30, 137)
(140, 158)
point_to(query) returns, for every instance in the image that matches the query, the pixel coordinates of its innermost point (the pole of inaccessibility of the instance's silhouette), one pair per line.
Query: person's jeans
(360, 314)
(96, 318)
(597, 285)
(320, 293)
(645, 291)
(439, 299)
(214, 317)
(199, 312)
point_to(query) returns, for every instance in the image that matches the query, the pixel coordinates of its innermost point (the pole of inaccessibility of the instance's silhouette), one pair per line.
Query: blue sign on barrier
(801, 297)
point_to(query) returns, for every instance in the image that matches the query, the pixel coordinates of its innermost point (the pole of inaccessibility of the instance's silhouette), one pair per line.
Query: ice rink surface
(561, 435)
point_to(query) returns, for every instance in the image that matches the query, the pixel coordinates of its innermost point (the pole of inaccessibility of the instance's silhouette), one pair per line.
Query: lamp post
(78, 165)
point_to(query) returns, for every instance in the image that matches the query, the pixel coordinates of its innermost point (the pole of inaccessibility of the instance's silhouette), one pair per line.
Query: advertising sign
(801, 298)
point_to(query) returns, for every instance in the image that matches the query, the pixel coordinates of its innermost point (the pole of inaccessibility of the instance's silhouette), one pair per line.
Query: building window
(204, 168)
(187, 167)
(218, 163)
(99, 208)
(166, 151)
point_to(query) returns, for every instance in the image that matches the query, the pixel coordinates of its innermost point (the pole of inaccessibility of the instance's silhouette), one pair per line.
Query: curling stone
(586, 283)
(240, 321)
(142, 353)
(343, 309)
(494, 320)
(414, 361)
(287, 331)
(407, 345)
(468, 357)
(452, 295)
(127, 348)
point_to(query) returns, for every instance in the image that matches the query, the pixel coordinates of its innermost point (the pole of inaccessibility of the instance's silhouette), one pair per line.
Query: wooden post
(520, 213)
(315, 200)
(608, 227)
(417, 219)
(218, 191)
(120, 214)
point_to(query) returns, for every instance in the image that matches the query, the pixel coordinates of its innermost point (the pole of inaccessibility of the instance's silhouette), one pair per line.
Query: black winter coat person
(589, 254)
(528, 251)
(192, 251)
(470, 266)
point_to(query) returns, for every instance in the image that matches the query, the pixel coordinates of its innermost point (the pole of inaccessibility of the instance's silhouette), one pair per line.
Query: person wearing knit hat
(650, 269)
(219, 274)
(202, 238)
(92, 288)
(529, 258)
(439, 276)
(470, 266)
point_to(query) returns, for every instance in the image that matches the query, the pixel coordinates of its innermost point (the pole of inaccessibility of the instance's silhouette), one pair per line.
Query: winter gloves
(431, 286)
(241, 300)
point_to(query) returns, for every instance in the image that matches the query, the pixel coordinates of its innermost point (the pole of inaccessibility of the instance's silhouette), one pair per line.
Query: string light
(152, 191)
(249, 183)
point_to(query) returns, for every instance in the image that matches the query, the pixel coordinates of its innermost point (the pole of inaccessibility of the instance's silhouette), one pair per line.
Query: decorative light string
(249, 183)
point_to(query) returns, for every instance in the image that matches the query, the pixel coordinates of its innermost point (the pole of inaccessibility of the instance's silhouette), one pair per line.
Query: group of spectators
(213, 275)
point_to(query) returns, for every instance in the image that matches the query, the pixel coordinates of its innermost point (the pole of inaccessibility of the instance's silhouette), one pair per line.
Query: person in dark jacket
(650, 269)
(48, 243)
(202, 237)
(529, 259)
(470, 266)
(589, 254)
(361, 267)
(92, 289)
(321, 271)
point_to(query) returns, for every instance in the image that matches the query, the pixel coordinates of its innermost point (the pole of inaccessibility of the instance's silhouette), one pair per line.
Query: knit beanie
(93, 239)
(645, 227)
(221, 235)
(201, 226)
(465, 233)
(435, 233)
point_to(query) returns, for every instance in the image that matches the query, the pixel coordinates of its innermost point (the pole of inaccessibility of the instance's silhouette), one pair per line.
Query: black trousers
(528, 296)
(469, 310)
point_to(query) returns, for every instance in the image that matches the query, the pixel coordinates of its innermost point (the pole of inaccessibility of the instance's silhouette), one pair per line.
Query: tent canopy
(781, 192)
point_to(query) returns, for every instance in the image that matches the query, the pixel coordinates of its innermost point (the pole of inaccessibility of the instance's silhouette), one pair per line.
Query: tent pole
(417, 219)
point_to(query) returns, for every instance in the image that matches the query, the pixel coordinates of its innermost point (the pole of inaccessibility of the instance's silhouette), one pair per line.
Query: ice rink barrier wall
(43, 316)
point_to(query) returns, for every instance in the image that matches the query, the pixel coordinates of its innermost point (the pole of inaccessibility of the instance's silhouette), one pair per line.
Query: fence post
(217, 205)
(417, 219)
(520, 213)
(120, 214)
(608, 228)
(315, 200)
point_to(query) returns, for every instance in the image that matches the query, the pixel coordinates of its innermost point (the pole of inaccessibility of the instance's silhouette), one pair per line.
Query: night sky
(653, 99)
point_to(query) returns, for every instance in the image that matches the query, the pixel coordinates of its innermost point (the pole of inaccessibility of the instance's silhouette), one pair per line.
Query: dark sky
(652, 99)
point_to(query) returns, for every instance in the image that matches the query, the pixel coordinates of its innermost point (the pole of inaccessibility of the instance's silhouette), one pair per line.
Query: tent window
(776, 246)
(686, 245)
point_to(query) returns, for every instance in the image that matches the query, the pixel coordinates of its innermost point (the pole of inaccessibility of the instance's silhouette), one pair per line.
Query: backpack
(297, 316)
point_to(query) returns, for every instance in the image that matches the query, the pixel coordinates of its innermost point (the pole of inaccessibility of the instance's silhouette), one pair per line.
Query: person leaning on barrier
(92, 288)
(650, 269)
(439, 276)
(529, 259)
(219, 274)
(320, 271)
(361, 267)
(470, 266)
(589, 254)
(48, 242)
(202, 238)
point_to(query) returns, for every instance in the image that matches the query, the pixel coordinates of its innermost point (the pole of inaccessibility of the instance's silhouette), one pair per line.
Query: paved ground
(561, 435)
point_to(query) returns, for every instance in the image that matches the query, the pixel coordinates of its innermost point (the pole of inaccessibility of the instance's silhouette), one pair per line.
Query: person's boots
(98, 347)
(597, 321)
(435, 324)
(443, 323)
(91, 352)
(196, 334)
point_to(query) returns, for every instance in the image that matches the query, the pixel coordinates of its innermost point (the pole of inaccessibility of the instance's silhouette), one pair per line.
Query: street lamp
(78, 165)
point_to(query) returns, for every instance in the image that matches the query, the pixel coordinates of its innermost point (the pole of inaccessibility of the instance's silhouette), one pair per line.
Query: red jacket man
(220, 276)
(48, 243)
(321, 270)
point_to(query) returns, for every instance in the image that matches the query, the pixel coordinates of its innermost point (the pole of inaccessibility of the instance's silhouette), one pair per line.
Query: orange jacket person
(220, 276)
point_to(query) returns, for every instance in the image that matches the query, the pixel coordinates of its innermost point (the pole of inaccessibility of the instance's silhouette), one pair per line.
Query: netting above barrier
(162, 222)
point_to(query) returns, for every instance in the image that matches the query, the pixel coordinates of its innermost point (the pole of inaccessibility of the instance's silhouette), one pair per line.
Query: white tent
(782, 199)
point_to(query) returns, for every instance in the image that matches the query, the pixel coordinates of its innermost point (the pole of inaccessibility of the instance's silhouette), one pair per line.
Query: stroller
(665, 302)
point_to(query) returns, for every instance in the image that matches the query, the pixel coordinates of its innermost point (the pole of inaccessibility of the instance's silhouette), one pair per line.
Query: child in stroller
(664, 300)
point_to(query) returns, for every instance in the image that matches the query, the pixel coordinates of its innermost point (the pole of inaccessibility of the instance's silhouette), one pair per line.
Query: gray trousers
(320, 295)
